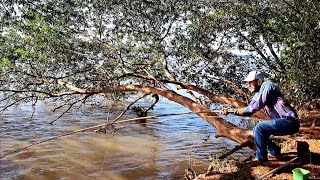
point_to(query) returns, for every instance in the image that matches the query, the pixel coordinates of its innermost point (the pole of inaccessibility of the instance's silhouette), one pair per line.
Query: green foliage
(5, 63)
(89, 43)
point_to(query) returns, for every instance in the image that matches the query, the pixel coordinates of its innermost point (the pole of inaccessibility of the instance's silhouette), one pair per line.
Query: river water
(159, 149)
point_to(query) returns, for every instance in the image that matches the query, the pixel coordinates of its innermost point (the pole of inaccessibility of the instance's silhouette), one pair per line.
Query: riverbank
(308, 138)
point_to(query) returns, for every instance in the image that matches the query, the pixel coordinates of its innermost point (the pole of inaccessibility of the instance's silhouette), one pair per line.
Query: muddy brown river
(159, 149)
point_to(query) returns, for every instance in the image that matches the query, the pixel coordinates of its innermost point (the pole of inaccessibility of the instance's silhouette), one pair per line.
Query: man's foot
(274, 150)
(256, 161)
(277, 157)
(274, 156)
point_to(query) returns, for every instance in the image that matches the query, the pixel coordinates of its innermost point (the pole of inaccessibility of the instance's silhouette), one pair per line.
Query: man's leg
(261, 139)
(278, 127)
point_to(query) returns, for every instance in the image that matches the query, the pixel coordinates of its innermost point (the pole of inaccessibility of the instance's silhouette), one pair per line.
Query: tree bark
(225, 100)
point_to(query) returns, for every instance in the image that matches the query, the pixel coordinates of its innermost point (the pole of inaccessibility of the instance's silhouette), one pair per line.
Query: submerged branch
(128, 107)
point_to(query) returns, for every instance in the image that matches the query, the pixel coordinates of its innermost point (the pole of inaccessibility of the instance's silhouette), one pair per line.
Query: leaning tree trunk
(212, 97)
(224, 128)
(225, 100)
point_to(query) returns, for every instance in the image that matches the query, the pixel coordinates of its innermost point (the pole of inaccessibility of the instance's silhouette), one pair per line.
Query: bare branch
(256, 48)
(61, 106)
(9, 96)
(154, 103)
(128, 107)
(195, 98)
(12, 104)
(236, 148)
(70, 106)
(277, 60)
(237, 89)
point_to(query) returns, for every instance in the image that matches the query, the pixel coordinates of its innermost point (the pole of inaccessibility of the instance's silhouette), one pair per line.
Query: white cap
(254, 75)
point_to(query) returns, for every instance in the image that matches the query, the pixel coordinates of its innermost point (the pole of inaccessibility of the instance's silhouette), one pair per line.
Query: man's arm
(241, 112)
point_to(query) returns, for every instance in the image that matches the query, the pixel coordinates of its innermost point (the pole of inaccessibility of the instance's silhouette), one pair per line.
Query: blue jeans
(278, 127)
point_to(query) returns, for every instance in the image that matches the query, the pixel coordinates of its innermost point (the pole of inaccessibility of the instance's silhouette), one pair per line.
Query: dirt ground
(305, 145)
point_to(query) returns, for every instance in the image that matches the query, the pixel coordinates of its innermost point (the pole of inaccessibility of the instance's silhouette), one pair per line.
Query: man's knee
(257, 129)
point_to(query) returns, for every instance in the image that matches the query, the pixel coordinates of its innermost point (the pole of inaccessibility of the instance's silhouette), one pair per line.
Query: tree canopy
(209, 44)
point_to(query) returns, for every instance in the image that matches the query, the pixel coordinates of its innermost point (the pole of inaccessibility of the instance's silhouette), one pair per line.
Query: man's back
(270, 99)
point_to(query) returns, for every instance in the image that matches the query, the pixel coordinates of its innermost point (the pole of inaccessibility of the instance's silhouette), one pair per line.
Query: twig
(83, 103)
(40, 92)
(191, 146)
(70, 106)
(126, 109)
(8, 97)
(236, 148)
(121, 114)
(190, 173)
(59, 107)
(195, 98)
(12, 104)
(276, 169)
(156, 96)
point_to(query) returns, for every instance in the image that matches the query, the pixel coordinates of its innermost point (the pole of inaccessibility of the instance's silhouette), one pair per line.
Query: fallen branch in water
(128, 107)
(121, 114)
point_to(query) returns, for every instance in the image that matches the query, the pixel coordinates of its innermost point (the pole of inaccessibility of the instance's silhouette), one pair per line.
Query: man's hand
(225, 111)
(240, 112)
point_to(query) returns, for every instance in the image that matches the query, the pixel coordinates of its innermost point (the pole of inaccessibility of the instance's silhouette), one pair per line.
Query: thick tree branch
(221, 99)
(224, 128)
(212, 97)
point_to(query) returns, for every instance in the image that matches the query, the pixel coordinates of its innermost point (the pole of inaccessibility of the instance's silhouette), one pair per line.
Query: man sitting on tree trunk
(284, 118)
